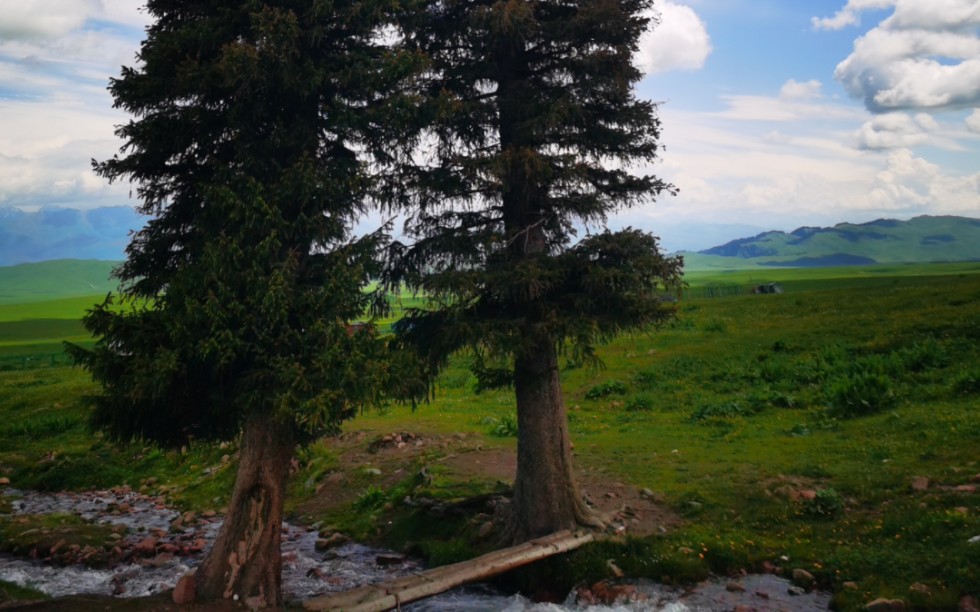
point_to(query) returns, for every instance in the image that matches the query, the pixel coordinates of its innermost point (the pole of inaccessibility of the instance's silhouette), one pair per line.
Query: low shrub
(641, 402)
(860, 394)
(610, 387)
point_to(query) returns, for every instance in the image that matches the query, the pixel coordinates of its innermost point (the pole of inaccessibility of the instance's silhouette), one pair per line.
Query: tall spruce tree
(532, 123)
(251, 122)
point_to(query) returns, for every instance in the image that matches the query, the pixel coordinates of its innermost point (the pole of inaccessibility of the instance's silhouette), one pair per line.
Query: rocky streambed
(148, 546)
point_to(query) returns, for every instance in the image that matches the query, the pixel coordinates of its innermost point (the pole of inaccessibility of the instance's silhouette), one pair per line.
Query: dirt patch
(469, 457)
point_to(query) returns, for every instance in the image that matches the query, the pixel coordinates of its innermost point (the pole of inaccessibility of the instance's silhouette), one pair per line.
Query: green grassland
(848, 385)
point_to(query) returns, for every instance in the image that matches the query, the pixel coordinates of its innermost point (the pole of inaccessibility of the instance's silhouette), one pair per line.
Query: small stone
(614, 569)
(762, 594)
(735, 587)
(485, 530)
(803, 578)
(968, 603)
(372, 471)
(795, 590)
(334, 539)
(967, 488)
(885, 605)
(850, 586)
(4, 481)
(147, 546)
(385, 560)
(920, 483)
(808, 495)
(961, 510)
(974, 540)
(920, 589)
(186, 589)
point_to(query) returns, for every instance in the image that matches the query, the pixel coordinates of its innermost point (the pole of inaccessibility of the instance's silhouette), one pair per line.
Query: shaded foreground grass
(786, 430)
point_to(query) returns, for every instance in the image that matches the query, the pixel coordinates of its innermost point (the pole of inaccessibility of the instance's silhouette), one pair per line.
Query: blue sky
(776, 114)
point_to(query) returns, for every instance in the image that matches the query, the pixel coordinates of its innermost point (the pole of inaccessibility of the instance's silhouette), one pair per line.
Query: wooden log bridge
(390, 594)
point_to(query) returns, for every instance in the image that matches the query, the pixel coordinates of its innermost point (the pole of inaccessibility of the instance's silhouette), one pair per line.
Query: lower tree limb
(546, 497)
(246, 561)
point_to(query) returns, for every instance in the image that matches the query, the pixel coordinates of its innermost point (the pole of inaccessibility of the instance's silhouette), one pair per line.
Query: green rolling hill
(885, 241)
(55, 279)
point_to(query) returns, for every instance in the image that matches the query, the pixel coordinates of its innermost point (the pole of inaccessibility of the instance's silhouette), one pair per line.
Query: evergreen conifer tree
(252, 120)
(531, 126)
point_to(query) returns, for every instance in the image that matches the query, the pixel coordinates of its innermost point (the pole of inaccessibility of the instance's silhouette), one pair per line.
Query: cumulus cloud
(973, 121)
(808, 90)
(896, 130)
(920, 57)
(679, 40)
(910, 183)
(36, 19)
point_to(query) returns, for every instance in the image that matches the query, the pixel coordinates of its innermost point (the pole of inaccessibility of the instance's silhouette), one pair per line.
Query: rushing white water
(308, 572)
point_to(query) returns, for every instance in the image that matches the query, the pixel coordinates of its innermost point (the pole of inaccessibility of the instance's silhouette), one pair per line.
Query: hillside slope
(65, 233)
(920, 240)
(51, 280)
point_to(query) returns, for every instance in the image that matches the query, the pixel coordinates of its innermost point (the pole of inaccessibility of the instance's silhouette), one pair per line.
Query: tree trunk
(546, 498)
(246, 562)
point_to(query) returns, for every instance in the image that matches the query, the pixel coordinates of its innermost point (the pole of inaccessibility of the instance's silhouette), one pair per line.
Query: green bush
(640, 402)
(860, 394)
(967, 383)
(610, 387)
(827, 504)
(504, 427)
(723, 410)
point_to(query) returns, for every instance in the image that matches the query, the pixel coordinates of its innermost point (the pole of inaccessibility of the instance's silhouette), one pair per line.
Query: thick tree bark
(546, 498)
(246, 559)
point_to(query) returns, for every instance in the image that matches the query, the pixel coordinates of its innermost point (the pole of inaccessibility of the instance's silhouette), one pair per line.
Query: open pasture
(831, 428)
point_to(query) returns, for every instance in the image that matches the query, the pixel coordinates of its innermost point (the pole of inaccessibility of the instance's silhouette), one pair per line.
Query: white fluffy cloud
(923, 56)
(680, 41)
(896, 130)
(38, 19)
(808, 90)
(913, 184)
(973, 121)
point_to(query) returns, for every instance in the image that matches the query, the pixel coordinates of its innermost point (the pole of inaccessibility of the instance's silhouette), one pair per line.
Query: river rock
(4, 481)
(803, 578)
(885, 605)
(334, 539)
(146, 547)
(186, 589)
(735, 587)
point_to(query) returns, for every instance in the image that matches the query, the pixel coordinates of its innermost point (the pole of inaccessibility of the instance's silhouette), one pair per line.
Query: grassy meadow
(787, 429)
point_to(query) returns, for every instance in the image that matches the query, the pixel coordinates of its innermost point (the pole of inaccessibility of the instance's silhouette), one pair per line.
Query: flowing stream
(308, 572)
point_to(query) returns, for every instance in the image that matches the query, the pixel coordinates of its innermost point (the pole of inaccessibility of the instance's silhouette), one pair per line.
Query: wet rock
(795, 590)
(386, 560)
(803, 578)
(735, 587)
(885, 605)
(186, 589)
(4, 481)
(146, 547)
(334, 539)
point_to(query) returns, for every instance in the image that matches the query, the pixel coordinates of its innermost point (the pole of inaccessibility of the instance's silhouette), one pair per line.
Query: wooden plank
(390, 594)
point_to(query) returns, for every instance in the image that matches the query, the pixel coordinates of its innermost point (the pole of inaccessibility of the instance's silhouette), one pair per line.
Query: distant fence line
(31, 362)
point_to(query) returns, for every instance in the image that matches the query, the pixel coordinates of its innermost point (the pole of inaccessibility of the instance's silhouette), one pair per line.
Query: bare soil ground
(470, 457)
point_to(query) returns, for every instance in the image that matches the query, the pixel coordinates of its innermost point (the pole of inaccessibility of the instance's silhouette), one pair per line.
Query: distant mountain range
(66, 233)
(103, 233)
(920, 240)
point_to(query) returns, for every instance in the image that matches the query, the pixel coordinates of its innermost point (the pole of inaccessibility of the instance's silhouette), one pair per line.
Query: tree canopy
(253, 127)
(531, 136)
